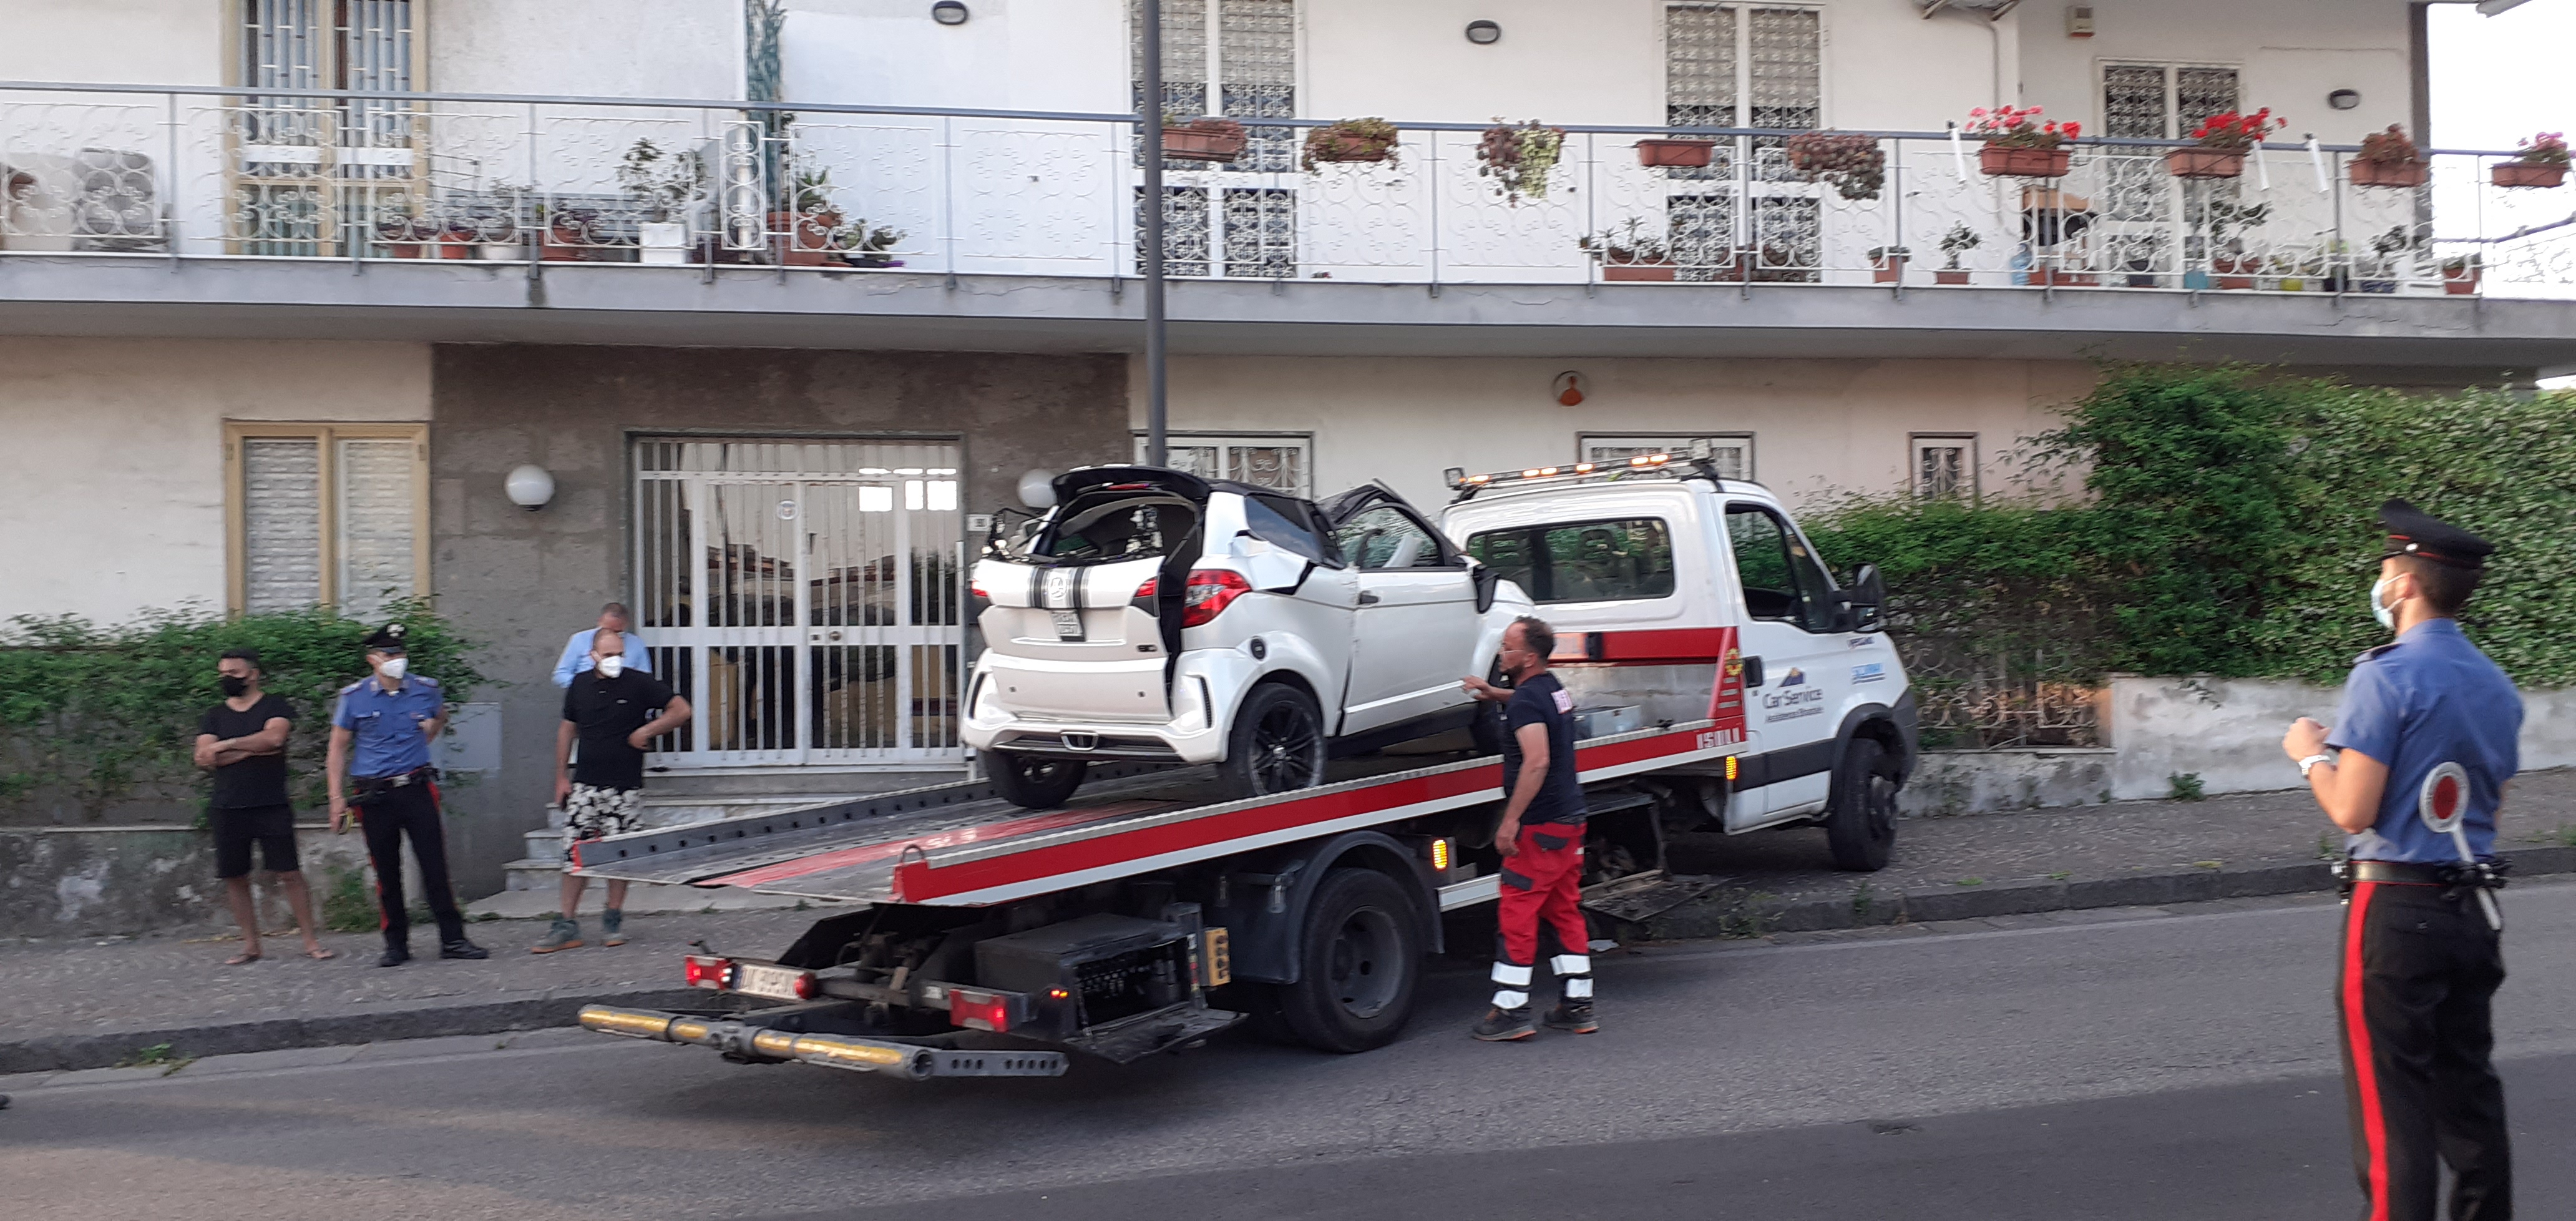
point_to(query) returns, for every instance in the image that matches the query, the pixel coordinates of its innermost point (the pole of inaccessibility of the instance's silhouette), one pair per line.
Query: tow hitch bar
(830, 1050)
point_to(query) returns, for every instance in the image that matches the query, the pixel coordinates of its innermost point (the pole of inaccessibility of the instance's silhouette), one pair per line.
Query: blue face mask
(2383, 611)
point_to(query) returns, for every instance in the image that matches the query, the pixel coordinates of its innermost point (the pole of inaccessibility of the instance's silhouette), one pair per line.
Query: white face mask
(2383, 611)
(611, 667)
(394, 667)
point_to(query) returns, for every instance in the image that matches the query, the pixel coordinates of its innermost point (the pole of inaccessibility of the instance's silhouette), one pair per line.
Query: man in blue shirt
(379, 763)
(576, 651)
(2427, 734)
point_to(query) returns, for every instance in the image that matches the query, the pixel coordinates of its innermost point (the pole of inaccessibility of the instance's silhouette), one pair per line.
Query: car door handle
(1367, 598)
(1752, 671)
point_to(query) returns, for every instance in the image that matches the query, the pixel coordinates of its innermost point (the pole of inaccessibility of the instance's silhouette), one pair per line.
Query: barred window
(1280, 462)
(1730, 453)
(1234, 59)
(327, 514)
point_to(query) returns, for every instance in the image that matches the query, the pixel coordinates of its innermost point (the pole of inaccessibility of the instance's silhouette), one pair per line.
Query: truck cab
(1686, 596)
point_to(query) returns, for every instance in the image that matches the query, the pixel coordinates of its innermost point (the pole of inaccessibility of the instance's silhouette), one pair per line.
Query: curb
(418, 1020)
(1742, 912)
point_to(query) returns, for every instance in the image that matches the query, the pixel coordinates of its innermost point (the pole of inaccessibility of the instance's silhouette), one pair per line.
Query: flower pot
(404, 250)
(1203, 141)
(664, 242)
(1351, 148)
(1680, 154)
(1888, 269)
(1946, 276)
(1637, 271)
(2460, 281)
(2062, 278)
(2205, 162)
(2528, 174)
(563, 244)
(504, 252)
(2024, 162)
(2388, 173)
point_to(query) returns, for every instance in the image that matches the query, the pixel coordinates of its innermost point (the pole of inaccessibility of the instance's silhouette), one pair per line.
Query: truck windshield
(1619, 559)
(1102, 527)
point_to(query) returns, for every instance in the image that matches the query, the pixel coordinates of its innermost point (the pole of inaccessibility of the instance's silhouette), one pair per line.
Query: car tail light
(707, 972)
(1211, 590)
(1149, 588)
(979, 1010)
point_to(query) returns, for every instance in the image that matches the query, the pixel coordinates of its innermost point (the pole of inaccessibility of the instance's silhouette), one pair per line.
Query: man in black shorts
(1541, 839)
(613, 713)
(243, 742)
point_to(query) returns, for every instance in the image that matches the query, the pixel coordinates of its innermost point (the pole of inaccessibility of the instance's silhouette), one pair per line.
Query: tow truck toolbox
(1147, 913)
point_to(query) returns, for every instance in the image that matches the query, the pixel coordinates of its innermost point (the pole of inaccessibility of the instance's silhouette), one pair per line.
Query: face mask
(611, 667)
(234, 686)
(394, 667)
(2382, 611)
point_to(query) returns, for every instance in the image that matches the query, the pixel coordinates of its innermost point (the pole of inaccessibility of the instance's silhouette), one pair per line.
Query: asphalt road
(2090, 1065)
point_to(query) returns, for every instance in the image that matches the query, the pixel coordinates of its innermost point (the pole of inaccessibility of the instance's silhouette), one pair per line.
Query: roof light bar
(1460, 480)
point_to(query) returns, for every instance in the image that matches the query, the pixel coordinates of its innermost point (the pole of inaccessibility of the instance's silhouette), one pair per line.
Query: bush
(92, 716)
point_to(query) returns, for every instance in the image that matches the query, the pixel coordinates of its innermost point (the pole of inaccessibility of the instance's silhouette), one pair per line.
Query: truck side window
(1288, 526)
(1589, 561)
(1780, 579)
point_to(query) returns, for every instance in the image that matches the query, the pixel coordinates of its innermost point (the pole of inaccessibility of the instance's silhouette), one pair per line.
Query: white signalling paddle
(2443, 804)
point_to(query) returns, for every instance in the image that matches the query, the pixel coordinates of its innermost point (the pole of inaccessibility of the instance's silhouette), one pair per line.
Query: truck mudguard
(1266, 896)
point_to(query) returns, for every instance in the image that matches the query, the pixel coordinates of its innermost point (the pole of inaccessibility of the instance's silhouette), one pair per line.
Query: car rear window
(1586, 561)
(1103, 527)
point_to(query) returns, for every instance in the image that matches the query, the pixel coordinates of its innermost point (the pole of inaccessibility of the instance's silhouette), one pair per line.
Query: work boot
(612, 922)
(1575, 1016)
(565, 935)
(461, 948)
(1504, 1025)
(394, 956)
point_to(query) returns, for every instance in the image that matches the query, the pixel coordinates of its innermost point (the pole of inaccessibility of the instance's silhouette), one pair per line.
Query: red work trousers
(1542, 886)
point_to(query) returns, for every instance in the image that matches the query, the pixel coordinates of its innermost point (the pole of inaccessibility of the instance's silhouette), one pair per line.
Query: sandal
(318, 954)
(241, 960)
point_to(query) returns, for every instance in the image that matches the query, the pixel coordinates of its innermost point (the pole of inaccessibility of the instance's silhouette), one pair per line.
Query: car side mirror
(1868, 599)
(1487, 581)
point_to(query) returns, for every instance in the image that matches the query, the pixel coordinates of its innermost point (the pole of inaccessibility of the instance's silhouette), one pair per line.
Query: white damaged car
(1153, 614)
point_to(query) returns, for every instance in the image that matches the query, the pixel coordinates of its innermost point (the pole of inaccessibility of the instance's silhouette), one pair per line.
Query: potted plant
(2387, 248)
(2227, 259)
(499, 232)
(1887, 264)
(404, 234)
(1958, 241)
(865, 247)
(1201, 139)
(811, 220)
(457, 240)
(2221, 144)
(1678, 152)
(2388, 159)
(2460, 274)
(1856, 165)
(1629, 252)
(2541, 161)
(1519, 159)
(1369, 139)
(666, 183)
(2017, 144)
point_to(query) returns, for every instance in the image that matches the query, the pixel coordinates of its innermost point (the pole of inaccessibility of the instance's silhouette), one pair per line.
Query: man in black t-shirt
(243, 742)
(1540, 837)
(612, 712)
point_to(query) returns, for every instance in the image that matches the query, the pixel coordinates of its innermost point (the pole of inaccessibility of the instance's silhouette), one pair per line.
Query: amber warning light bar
(1460, 480)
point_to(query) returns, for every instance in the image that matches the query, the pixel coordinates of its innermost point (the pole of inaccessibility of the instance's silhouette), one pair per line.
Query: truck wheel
(1862, 825)
(1360, 956)
(1277, 744)
(1034, 781)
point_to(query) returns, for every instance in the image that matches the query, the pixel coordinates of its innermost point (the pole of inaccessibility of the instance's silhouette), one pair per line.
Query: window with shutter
(327, 514)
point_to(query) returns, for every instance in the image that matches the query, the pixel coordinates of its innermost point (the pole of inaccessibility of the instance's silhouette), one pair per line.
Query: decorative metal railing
(185, 172)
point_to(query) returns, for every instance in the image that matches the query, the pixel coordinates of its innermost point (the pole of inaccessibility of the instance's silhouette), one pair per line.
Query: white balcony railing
(196, 174)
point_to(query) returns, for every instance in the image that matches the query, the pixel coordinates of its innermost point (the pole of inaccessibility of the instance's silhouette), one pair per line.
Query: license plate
(776, 983)
(1068, 624)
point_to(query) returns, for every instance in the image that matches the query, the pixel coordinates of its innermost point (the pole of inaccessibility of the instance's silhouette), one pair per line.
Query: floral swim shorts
(596, 813)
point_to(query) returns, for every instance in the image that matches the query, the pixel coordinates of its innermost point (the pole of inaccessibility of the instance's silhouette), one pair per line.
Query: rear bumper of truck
(752, 1041)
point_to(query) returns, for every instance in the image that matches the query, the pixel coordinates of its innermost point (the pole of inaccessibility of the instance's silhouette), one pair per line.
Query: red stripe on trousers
(2365, 1072)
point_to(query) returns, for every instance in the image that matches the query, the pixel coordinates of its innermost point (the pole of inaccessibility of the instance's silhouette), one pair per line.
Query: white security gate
(805, 596)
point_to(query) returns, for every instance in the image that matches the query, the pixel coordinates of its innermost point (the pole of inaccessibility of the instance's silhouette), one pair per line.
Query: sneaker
(1575, 1016)
(1504, 1025)
(461, 948)
(394, 956)
(612, 922)
(565, 935)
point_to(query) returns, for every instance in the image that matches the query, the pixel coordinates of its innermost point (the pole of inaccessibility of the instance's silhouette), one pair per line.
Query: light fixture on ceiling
(2344, 99)
(1484, 33)
(948, 12)
(529, 487)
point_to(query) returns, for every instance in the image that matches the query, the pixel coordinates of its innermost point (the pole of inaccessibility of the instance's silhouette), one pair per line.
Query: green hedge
(2226, 525)
(92, 716)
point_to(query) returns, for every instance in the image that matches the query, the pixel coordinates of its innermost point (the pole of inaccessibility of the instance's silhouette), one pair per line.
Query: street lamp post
(1149, 142)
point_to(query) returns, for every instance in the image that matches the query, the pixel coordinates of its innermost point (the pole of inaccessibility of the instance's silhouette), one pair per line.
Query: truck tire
(1037, 782)
(1360, 957)
(1276, 745)
(1862, 825)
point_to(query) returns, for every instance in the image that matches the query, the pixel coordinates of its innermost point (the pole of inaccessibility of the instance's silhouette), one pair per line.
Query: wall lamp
(948, 12)
(1484, 33)
(530, 487)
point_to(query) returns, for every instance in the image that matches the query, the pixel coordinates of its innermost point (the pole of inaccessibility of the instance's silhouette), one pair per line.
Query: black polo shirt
(603, 712)
(1544, 701)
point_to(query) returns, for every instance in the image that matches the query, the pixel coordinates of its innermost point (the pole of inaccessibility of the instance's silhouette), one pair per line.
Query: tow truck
(1148, 912)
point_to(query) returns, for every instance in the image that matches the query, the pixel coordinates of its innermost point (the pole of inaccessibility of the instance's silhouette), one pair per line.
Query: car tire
(1037, 782)
(1276, 745)
(1360, 959)
(1861, 827)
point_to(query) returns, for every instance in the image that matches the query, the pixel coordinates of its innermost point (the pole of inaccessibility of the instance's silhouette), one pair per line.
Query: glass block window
(1283, 463)
(1257, 67)
(1236, 59)
(1784, 67)
(327, 514)
(2163, 101)
(1743, 65)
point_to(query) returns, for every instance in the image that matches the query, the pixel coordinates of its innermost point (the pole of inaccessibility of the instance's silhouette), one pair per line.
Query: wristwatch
(2309, 763)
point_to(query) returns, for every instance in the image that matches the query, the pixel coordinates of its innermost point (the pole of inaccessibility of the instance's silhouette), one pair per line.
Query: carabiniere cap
(2411, 531)
(390, 636)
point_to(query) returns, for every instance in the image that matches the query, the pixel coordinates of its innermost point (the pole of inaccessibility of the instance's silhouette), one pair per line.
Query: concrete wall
(115, 459)
(2289, 55)
(1818, 426)
(520, 581)
(1986, 781)
(98, 881)
(588, 48)
(2228, 731)
(161, 42)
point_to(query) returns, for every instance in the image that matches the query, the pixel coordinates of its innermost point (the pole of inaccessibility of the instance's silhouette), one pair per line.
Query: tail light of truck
(1210, 591)
(704, 971)
(979, 1010)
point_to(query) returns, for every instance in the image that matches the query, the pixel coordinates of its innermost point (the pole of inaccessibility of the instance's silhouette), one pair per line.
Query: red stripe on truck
(980, 834)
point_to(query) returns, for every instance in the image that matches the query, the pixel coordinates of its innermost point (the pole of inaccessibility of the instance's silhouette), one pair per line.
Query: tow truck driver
(1540, 837)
